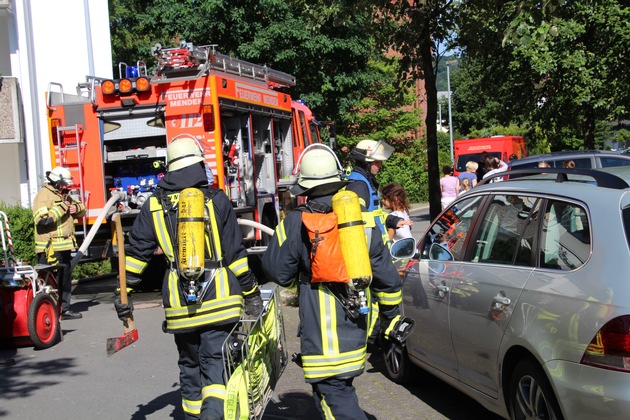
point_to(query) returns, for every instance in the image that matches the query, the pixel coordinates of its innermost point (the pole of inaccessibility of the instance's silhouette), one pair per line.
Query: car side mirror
(438, 252)
(403, 248)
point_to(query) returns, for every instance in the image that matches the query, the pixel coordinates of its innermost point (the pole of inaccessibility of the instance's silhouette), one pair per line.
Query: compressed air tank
(191, 233)
(352, 238)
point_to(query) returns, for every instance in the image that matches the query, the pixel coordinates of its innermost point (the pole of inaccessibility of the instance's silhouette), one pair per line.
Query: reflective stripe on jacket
(223, 302)
(332, 343)
(373, 204)
(49, 203)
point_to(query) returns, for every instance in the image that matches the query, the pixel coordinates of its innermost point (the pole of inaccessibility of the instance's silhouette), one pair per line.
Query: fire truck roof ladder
(78, 146)
(189, 62)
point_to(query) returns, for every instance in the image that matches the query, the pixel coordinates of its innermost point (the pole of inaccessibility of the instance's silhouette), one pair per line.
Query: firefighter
(333, 334)
(201, 319)
(54, 211)
(368, 157)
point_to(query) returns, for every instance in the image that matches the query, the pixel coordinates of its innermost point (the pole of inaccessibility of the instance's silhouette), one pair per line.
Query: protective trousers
(201, 372)
(337, 399)
(64, 275)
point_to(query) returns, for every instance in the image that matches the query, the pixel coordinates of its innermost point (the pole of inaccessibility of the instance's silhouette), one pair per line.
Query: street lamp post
(450, 114)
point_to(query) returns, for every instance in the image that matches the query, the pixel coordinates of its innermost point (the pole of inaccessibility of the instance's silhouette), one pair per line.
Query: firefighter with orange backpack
(339, 261)
(208, 284)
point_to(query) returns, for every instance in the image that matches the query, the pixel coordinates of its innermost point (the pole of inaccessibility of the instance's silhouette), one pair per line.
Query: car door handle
(500, 302)
(442, 290)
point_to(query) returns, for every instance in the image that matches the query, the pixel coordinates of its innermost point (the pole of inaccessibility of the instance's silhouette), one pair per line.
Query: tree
(561, 68)
(415, 30)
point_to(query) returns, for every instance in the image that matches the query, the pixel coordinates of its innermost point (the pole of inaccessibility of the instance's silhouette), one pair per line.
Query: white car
(520, 293)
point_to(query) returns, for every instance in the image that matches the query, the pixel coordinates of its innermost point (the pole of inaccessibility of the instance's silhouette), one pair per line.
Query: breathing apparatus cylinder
(353, 244)
(191, 238)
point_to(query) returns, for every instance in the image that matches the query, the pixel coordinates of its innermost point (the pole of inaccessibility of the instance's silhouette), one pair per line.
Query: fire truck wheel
(44, 327)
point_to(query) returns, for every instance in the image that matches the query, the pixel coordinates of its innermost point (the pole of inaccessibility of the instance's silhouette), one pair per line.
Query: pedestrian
(55, 211)
(465, 185)
(332, 333)
(496, 166)
(482, 165)
(512, 157)
(543, 164)
(395, 199)
(470, 174)
(569, 164)
(201, 313)
(368, 157)
(449, 186)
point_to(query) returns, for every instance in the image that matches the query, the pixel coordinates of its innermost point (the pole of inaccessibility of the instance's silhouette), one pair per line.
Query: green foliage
(91, 269)
(22, 231)
(409, 169)
(563, 68)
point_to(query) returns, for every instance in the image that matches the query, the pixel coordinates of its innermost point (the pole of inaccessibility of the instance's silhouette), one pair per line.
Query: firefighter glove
(253, 303)
(398, 329)
(123, 311)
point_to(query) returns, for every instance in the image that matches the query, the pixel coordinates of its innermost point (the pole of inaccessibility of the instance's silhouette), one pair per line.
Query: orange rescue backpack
(327, 264)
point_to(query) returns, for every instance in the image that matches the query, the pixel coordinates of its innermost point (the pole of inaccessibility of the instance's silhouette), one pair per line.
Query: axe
(130, 334)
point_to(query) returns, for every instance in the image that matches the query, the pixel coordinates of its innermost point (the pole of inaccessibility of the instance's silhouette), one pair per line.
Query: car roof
(583, 184)
(568, 154)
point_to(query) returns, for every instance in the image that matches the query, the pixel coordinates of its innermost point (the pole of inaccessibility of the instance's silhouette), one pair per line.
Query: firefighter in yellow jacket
(333, 327)
(199, 313)
(54, 211)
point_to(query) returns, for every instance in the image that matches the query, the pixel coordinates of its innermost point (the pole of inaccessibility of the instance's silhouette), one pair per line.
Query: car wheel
(397, 364)
(531, 395)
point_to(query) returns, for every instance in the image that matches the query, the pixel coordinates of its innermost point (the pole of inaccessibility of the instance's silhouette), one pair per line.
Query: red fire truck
(113, 134)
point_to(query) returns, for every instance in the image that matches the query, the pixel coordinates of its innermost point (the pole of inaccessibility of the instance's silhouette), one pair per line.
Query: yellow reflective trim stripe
(328, 414)
(204, 319)
(221, 284)
(134, 265)
(215, 230)
(213, 391)
(328, 322)
(162, 233)
(173, 290)
(280, 233)
(391, 325)
(362, 202)
(255, 288)
(190, 406)
(327, 366)
(393, 298)
(239, 266)
(368, 219)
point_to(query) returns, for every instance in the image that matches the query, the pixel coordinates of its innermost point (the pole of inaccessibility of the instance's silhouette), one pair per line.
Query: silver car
(520, 298)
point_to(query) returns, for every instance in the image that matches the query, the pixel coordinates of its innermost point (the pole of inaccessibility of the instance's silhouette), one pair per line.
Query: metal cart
(30, 301)
(255, 355)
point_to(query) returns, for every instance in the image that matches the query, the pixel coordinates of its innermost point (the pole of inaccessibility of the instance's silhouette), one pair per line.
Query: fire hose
(116, 196)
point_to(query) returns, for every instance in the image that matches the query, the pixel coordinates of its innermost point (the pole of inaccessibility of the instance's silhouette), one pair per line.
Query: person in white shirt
(496, 165)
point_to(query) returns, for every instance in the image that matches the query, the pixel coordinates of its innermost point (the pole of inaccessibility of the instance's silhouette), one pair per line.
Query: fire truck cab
(113, 134)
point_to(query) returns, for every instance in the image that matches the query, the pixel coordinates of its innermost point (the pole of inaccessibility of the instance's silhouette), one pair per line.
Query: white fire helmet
(371, 150)
(60, 174)
(183, 152)
(318, 165)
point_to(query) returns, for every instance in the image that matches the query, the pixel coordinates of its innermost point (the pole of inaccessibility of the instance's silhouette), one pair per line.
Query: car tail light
(610, 348)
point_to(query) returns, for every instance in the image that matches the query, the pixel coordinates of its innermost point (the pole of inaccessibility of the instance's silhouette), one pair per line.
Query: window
(506, 233)
(565, 236)
(451, 229)
(613, 161)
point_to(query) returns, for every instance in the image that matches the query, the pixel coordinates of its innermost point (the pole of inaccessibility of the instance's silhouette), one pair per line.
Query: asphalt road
(77, 380)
